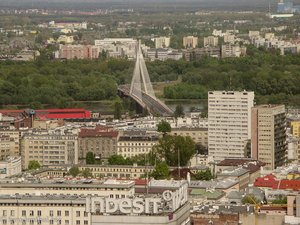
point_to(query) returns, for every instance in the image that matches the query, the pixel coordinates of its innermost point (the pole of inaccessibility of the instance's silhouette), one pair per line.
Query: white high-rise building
(229, 123)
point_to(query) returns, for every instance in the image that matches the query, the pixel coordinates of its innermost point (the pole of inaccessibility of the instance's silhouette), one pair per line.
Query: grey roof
(235, 172)
(218, 183)
(223, 209)
(234, 195)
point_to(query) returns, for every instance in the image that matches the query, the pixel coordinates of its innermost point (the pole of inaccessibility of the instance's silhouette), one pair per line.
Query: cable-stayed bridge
(141, 89)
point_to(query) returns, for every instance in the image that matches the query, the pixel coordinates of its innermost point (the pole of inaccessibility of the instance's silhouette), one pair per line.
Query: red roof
(52, 113)
(270, 181)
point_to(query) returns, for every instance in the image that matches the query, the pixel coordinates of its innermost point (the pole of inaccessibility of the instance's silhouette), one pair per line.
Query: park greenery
(272, 77)
(203, 175)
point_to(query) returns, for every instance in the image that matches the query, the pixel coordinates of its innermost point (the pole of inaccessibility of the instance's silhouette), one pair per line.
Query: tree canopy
(164, 127)
(161, 171)
(34, 165)
(175, 148)
(90, 158)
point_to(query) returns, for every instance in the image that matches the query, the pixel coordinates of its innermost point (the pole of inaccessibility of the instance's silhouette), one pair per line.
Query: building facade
(136, 143)
(162, 42)
(190, 42)
(199, 135)
(295, 125)
(78, 52)
(14, 136)
(102, 141)
(210, 41)
(229, 123)
(268, 135)
(10, 166)
(49, 149)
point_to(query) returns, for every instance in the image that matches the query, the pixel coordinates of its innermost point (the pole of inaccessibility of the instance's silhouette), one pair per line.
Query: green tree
(74, 171)
(174, 149)
(90, 158)
(164, 127)
(203, 175)
(117, 109)
(116, 160)
(86, 173)
(34, 165)
(179, 112)
(161, 171)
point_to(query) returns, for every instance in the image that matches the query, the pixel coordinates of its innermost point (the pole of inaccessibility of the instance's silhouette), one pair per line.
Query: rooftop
(217, 184)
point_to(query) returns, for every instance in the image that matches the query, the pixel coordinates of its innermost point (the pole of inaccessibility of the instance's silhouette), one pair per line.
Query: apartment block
(162, 42)
(118, 47)
(229, 38)
(199, 135)
(49, 149)
(190, 42)
(102, 141)
(229, 123)
(210, 41)
(136, 143)
(295, 125)
(78, 52)
(14, 136)
(5, 146)
(199, 53)
(231, 50)
(44, 210)
(268, 135)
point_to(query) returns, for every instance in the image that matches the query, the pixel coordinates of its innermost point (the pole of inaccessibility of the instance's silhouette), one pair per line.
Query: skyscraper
(229, 123)
(268, 135)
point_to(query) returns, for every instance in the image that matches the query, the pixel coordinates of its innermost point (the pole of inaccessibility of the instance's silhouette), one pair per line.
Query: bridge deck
(154, 105)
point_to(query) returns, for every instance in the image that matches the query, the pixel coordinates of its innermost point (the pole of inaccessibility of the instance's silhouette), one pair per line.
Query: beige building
(43, 210)
(102, 141)
(231, 50)
(268, 135)
(199, 135)
(162, 42)
(10, 166)
(117, 171)
(229, 123)
(211, 41)
(108, 188)
(49, 149)
(190, 42)
(229, 38)
(14, 137)
(295, 125)
(135, 143)
(5, 146)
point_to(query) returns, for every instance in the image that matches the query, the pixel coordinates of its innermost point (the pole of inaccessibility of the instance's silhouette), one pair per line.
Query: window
(77, 222)
(58, 222)
(39, 213)
(31, 213)
(67, 213)
(51, 212)
(58, 213)
(51, 222)
(86, 214)
(67, 222)
(12, 222)
(4, 213)
(86, 222)
(23, 222)
(24, 213)
(4, 222)
(39, 222)
(31, 221)
(12, 212)
(77, 213)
